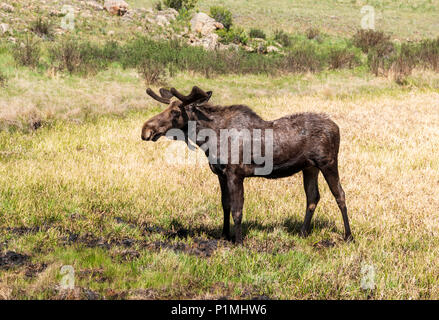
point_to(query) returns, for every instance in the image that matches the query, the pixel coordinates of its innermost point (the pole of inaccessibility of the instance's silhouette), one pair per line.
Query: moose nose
(146, 135)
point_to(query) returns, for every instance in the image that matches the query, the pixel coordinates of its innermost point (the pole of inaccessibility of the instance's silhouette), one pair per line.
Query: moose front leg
(225, 201)
(235, 186)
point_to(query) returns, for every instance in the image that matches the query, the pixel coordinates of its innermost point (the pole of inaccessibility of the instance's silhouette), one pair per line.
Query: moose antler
(195, 95)
(161, 98)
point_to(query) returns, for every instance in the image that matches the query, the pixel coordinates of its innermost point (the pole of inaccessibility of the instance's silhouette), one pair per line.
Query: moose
(307, 142)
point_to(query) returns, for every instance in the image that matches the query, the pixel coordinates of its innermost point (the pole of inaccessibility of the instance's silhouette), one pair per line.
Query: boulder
(203, 24)
(95, 5)
(161, 21)
(4, 28)
(272, 49)
(116, 7)
(6, 7)
(209, 42)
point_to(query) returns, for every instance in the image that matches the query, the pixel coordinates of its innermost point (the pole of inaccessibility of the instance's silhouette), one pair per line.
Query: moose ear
(203, 99)
(165, 93)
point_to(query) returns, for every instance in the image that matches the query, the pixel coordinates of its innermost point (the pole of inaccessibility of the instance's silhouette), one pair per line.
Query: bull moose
(307, 142)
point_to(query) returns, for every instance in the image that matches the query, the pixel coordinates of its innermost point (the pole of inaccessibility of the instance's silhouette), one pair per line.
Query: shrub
(180, 4)
(42, 28)
(257, 33)
(28, 53)
(282, 37)
(84, 57)
(339, 58)
(371, 39)
(234, 35)
(152, 72)
(312, 33)
(223, 15)
(67, 55)
(303, 58)
(158, 6)
(428, 53)
(3, 79)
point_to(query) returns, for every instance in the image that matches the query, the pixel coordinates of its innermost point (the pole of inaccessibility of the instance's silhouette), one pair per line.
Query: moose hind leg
(225, 201)
(330, 173)
(310, 184)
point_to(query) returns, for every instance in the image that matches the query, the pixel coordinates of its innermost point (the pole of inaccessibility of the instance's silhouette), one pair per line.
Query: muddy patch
(22, 231)
(127, 254)
(323, 244)
(32, 270)
(199, 247)
(88, 240)
(12, 259)
(77, 293)
(111, 294)
(269, 246)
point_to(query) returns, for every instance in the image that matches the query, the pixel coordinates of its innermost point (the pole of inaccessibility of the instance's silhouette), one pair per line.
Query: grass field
(79, 187)
(414, 19)
(94, 196)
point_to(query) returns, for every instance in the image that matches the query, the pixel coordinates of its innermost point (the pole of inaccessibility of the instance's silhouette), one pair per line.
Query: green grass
(415, 19)
(97, 180)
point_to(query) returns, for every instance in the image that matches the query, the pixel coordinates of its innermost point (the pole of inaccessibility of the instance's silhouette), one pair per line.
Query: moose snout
(146, 135)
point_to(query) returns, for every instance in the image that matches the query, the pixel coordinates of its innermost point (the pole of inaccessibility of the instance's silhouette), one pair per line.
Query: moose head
(178, 112)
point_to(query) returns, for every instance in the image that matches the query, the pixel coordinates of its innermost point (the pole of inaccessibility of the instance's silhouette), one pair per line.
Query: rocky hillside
(116, 19)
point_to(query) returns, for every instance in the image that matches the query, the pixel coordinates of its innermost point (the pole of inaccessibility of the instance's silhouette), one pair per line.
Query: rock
(249, 49)
(95, 5)
(161, 21)
(209, 42)
(4, 28)
(170, 12)
(272, 49)
(219, 25)
(6, 7)
(116, 7)
(202, 23)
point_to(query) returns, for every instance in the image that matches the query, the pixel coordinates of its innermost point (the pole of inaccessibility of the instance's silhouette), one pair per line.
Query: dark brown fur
(306, 142)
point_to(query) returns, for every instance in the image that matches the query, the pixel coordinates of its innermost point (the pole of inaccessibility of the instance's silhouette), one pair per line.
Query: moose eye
(175, 113)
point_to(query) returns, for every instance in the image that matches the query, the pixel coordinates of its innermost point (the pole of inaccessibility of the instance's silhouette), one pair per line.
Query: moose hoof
(225, 236)
(237, 240)
(349, 238)
(304, 233)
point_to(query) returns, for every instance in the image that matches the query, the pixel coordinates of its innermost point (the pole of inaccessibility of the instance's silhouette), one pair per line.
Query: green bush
(339, 58)
(223, 15)
(428, 53)
(375, 40)
(180, 4)
(304, 58)
(83, 57)
(312, 33)
(153, 73)
(42, 27)
(234, 35)
(158, 6)
(282, 37)
(28, 53)
(257, 33)
(3, 79)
